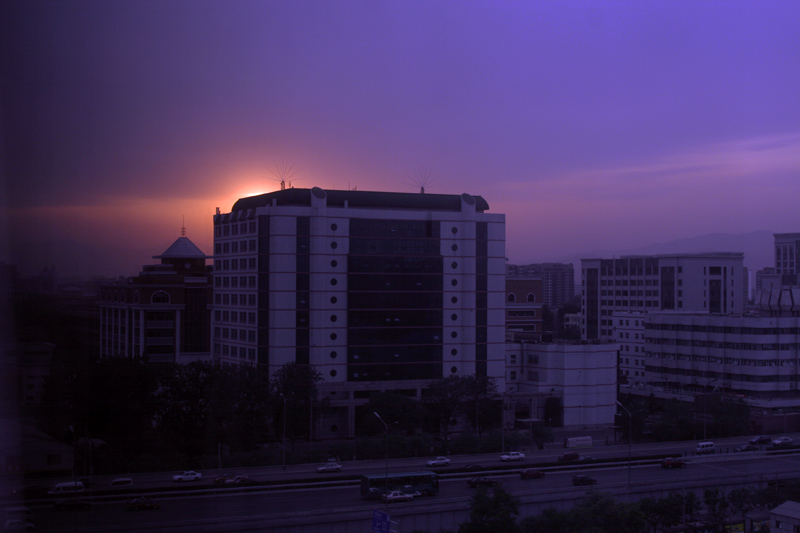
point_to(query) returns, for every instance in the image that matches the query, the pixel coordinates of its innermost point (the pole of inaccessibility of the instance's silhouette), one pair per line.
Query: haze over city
(590, 125)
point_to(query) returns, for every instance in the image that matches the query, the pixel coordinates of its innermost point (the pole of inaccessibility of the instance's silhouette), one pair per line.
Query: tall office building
(707, 283)
(787, 261)
(376, 290)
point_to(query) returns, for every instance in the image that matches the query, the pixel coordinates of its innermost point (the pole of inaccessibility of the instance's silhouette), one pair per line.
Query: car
(439, 461)
(142, 504)
(531, 473)
(746, 448)
(586, 458)
(73, 504)
(782, 441)
(673, 462)
(189, 475)
(481, 482)
(473, 467)
(396, 496)
(239, 480)
(330, 467)
(224, 478)
(569, 456)
(761, 439)
(19, 525)
(411, 491)
(512, 456)
(583, 480)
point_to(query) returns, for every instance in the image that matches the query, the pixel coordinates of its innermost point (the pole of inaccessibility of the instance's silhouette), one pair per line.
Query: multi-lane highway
(230, 510)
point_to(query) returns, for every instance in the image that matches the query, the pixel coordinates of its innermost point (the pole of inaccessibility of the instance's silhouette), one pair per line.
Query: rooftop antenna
(183, 226)
(421, 177)
(284, 172)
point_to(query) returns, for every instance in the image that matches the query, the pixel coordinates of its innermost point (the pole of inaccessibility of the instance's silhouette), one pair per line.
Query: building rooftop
(362, 199)
(182, 248)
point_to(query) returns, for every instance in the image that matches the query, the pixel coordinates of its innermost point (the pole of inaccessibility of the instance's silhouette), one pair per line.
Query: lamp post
(505, 394)
(387, 452)
(630, 441)
(284, 430)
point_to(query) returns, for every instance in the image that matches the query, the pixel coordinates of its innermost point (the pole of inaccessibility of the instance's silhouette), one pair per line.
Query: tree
(397, 410)
(718, 508)
(541, 435)
(443, 397)
(496, 513)
(295, 387)
(742, 501)
(480, 403)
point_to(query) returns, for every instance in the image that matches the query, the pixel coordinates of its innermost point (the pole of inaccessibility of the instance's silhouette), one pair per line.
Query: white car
(330, 467)
(439, 461)
(782, 441)
(512, 456)
(396, 496)
(189, 475)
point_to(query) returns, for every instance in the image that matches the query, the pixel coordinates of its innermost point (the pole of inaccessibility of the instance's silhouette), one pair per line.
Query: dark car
(225, 478)
(761, 439)
(673, 462)
(481, 482)
(747, 448)
(142, 504)
(583, 480)
(473, 468)
(72, 504)
(531, 473)
(569, 456)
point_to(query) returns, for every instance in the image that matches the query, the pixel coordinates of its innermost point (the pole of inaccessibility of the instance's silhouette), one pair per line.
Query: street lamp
(510, 389)
(630, 441)
(284, 430)
(387, 451)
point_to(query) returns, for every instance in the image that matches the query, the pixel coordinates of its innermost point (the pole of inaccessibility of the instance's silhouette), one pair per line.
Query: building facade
(787, 246)
(564, 384)
(707, 283)
(558, 280)
(378, 291)
(163, 314)
(524, 305)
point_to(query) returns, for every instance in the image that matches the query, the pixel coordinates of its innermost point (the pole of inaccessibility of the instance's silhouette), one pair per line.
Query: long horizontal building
(705, 283)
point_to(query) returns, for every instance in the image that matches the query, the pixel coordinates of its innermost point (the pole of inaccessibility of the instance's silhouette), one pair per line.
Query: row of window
(234, 282)
(234, 299)
(235, 228)
(240, 352)
(235, 247)
(244, 263)
(744, 346)
(716, 360)
(753, 378)
(244, 335)
(699, 328)
(241, 317)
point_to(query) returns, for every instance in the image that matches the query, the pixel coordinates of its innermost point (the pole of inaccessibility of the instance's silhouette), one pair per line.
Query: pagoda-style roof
(182, 248)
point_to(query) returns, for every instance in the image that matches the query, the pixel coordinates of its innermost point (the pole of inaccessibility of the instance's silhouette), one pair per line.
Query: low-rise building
(563, 383)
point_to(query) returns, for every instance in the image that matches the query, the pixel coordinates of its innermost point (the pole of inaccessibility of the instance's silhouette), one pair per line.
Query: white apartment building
(751, 356)
(580, 376)
(705, 283)
(628, 327)
(377, 290)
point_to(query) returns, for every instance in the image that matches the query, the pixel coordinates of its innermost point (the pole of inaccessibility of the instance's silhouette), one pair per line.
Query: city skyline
(603, 126)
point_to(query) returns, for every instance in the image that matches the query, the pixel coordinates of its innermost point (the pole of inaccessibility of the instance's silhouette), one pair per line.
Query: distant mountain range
(757, 247)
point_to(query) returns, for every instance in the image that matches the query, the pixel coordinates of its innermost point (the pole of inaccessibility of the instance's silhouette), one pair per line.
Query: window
(511, 297)
(160, 297)
(513, 375)
(531, 298)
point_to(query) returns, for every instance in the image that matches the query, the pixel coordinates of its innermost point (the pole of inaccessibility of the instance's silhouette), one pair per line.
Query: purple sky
(589, 124)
